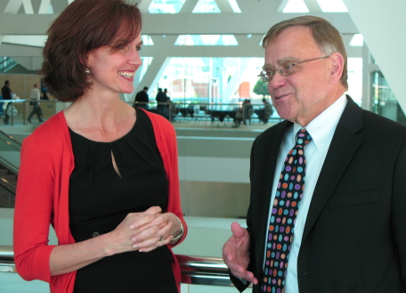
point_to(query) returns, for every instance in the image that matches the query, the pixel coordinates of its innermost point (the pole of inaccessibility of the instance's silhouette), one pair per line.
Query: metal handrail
(11, 142)
(12, 139)
(195, 269)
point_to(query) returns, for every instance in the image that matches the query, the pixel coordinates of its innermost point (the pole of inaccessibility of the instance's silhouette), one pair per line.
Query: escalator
(6, 64)
(9, 165)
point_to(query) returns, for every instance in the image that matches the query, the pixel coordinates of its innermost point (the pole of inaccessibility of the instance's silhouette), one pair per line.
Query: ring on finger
(162, 238)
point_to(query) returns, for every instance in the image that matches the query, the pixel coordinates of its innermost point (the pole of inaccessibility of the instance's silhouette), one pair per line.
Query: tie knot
(303, 137)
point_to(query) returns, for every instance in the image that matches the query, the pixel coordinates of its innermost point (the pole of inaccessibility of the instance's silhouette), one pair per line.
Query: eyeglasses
(285, 69)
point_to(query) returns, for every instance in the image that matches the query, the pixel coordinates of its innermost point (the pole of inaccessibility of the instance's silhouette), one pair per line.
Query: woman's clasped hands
(143, 231)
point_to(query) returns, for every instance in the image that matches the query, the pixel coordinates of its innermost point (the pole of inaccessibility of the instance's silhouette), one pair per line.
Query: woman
(101, 172)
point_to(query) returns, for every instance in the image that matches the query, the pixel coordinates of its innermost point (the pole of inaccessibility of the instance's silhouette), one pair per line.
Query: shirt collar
(322, 128)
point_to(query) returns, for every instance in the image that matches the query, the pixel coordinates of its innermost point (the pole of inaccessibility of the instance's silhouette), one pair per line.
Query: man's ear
(337, 66)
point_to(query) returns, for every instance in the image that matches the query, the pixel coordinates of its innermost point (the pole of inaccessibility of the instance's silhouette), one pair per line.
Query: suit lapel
(342, 149)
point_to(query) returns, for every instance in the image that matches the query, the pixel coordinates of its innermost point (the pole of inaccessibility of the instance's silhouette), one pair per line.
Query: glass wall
(230, 80)
(383, 99)
(211, 80)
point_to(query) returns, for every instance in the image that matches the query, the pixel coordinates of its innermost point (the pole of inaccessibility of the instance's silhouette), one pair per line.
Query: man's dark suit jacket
(354, 238)
(142, 96)
(6, 93)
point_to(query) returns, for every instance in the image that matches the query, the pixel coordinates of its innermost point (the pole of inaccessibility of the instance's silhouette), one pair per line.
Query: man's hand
(236, 253)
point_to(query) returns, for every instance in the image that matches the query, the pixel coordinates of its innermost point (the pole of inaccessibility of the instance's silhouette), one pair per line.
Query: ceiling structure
(23, 25)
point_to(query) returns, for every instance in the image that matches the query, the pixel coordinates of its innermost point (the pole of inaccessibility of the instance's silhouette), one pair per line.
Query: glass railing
(195, 270)
(233, 115)
(181, 114)
(19, 110)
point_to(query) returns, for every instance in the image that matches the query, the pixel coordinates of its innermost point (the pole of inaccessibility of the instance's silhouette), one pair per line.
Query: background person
(142, 99)
(108, 177)
(265, 112)
(6, 93)
(343, 230)
(248, 109)
(35, 96)
(162, 101)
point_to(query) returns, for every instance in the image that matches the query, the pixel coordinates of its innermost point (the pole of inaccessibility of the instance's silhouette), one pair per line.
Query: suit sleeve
(399, 208)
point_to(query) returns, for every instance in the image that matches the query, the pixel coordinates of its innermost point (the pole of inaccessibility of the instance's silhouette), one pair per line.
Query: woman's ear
(84, 59)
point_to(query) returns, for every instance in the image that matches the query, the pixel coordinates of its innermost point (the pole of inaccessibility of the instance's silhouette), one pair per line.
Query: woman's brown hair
(82, 27)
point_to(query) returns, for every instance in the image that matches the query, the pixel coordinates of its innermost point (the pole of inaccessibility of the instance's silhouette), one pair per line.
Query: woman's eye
(121, 47)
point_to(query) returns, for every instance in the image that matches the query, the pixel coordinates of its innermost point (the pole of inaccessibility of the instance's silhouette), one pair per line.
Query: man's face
(303, 95)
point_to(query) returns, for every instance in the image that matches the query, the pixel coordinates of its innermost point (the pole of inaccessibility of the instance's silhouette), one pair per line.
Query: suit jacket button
(95, 234)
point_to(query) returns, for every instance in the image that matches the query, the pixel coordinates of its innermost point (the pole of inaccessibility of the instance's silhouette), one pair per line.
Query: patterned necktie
(283, 217)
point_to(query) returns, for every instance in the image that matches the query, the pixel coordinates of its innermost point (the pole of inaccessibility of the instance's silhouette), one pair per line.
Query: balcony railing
(175, 112)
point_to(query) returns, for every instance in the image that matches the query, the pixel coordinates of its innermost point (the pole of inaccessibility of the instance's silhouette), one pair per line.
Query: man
(347, 233)
(6, 93)
(142, 99)
(35, 97)
(162, 101)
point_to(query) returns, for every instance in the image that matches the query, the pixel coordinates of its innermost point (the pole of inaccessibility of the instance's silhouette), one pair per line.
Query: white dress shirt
(321, 129)
(35, 95)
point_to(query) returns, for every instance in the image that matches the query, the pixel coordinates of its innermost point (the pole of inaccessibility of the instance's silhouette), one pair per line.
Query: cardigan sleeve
(33, 213)
(174, 180)
(165, 137)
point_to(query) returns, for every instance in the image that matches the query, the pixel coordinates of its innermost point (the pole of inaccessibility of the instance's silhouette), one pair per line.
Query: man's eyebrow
(280, 62)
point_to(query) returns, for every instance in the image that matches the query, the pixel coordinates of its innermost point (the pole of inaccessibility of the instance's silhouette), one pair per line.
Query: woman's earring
(87, 71)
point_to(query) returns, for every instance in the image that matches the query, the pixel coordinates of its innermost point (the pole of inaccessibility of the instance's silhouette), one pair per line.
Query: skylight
(146, 40)
(234, 6)
(165, 6)
(299, 6)
(332, 5)
(295, 6)
(206, 40)
(206, 6)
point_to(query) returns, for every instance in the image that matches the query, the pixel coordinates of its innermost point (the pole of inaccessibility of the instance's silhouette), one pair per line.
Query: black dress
(100, 198)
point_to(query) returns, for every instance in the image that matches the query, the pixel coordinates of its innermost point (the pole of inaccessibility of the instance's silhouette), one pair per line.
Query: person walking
(35, 97)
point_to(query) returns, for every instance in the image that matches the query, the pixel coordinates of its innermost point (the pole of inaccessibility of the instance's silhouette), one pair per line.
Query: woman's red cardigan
(42, 197)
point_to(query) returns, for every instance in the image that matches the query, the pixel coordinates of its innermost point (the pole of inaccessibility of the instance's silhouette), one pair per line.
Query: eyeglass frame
(264, 77)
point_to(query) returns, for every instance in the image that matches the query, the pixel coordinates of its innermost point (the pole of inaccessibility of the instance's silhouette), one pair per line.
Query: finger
(229, 260)
(228, 254)
(251, 278)
(152, 232)
(142, 220)
(151, 244)
(237, 230)
(153, 210)
(160, 220)
(238, 271)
